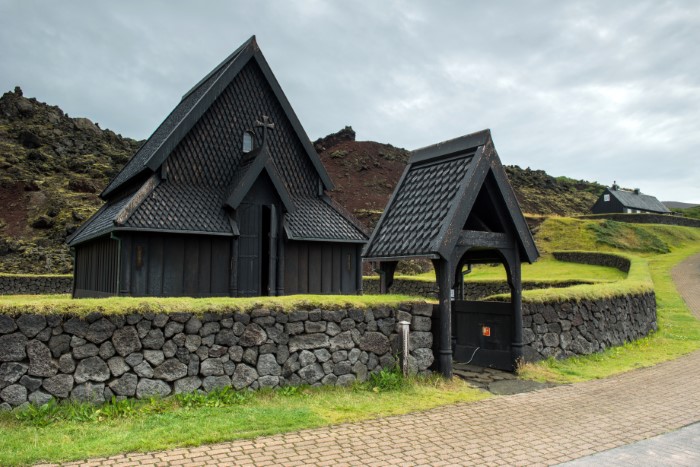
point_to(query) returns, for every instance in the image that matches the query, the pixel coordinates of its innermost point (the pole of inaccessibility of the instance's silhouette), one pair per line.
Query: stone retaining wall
(665, 219)
(565, 329)
(33, 285)
(472, 290)
(596, 259)
(142, 355)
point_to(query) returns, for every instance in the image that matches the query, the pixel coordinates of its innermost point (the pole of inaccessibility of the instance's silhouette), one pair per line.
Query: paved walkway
(544, 427)
(678, 448)
(687, 278)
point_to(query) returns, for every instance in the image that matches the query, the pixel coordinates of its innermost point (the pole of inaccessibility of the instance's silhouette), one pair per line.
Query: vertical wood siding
(177, 265)
(321, 268)
(97, 268)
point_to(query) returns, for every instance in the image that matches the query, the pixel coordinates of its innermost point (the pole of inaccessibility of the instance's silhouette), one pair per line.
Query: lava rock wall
(143, 355)
(34, 285)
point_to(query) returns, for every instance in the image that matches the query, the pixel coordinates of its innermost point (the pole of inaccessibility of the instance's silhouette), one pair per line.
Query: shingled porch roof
(434, 197)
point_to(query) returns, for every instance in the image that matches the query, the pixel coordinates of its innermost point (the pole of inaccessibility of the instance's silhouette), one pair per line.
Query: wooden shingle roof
(191, 108)
(434, 198)
(192, 169)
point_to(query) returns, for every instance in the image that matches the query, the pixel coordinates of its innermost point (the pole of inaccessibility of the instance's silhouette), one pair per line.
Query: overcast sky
(593, 90)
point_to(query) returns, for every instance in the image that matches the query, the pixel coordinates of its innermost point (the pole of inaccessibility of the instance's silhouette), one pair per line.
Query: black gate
(482, 333)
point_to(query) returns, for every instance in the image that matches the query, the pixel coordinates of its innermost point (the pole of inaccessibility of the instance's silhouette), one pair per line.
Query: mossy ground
(170, 424)
(175, 422)
(678, 331)
(63, 304)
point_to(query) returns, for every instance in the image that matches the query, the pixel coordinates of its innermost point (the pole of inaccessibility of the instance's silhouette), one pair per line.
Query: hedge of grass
(638, 281)
(36, 276)
(64, 305)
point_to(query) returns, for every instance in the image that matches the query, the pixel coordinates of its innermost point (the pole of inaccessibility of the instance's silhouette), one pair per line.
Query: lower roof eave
(135, 229)
(399, 258)
(329, 240)
(173, 231)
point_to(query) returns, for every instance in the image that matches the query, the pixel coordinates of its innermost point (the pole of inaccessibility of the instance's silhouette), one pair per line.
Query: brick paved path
(543, 427)
(687, 278)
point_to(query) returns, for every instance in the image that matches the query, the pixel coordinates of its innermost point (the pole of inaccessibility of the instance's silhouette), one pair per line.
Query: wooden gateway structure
(454, 205)
(226, 198)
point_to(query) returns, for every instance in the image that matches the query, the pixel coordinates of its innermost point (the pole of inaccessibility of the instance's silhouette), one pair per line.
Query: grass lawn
(163, 424)
(679, 331)
(63, 304)
(169, 423)
(545, 269)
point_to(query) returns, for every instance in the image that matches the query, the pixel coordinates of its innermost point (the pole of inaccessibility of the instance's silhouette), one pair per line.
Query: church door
(257, 250)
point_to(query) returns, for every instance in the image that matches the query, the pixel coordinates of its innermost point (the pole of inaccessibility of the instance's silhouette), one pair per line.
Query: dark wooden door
(249, 249)
(257, 250)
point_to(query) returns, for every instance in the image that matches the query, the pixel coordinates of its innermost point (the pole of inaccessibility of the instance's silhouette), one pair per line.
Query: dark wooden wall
(156, 264)
(96, 268)
(322, 268)
(601, 207)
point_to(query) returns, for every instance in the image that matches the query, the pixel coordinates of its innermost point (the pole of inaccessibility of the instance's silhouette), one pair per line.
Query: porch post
(516, 298)
(386, 275)
(443, 275)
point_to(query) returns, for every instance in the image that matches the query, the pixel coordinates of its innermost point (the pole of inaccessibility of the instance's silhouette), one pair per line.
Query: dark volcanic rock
(14, 347)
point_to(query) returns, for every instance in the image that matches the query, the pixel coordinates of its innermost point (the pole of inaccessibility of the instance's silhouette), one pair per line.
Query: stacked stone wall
(143, 355)
(569, 328)
(34, 285)
(597, 259)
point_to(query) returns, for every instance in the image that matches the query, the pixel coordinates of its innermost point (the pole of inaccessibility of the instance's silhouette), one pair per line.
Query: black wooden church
(226, 198)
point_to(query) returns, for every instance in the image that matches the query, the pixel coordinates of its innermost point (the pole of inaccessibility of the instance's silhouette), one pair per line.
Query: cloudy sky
(592, 90)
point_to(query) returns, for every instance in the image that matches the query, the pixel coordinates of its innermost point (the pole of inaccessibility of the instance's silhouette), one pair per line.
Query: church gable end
(211, 152)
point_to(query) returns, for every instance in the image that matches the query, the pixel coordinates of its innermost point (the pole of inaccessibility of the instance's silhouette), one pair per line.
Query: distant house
(226, 198)
(615, 200)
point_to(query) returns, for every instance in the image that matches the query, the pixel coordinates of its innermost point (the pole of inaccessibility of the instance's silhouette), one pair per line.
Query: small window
(606, 197)
(247, 141)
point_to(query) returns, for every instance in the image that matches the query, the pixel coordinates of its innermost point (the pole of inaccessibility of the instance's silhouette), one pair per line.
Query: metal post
(404, 343)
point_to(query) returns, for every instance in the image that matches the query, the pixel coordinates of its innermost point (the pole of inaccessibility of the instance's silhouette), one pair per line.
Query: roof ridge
(231, 57)
(222, 67)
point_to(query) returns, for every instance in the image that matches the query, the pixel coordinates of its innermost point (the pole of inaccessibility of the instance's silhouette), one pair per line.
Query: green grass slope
(654, 251)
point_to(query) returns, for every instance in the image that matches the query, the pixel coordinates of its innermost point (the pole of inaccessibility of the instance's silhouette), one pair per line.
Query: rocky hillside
(365, 174)
(52, 168)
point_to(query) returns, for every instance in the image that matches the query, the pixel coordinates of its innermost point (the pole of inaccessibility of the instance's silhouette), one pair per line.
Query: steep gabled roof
(248, 172)
(435, 196)
(188, 187)
(632, 200)
(191, 108)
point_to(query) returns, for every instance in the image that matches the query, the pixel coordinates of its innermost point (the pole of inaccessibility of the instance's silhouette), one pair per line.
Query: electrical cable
(470, 360)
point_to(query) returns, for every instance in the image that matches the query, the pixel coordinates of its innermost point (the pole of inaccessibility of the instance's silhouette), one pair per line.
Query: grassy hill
(693, 213)
(52, 168)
